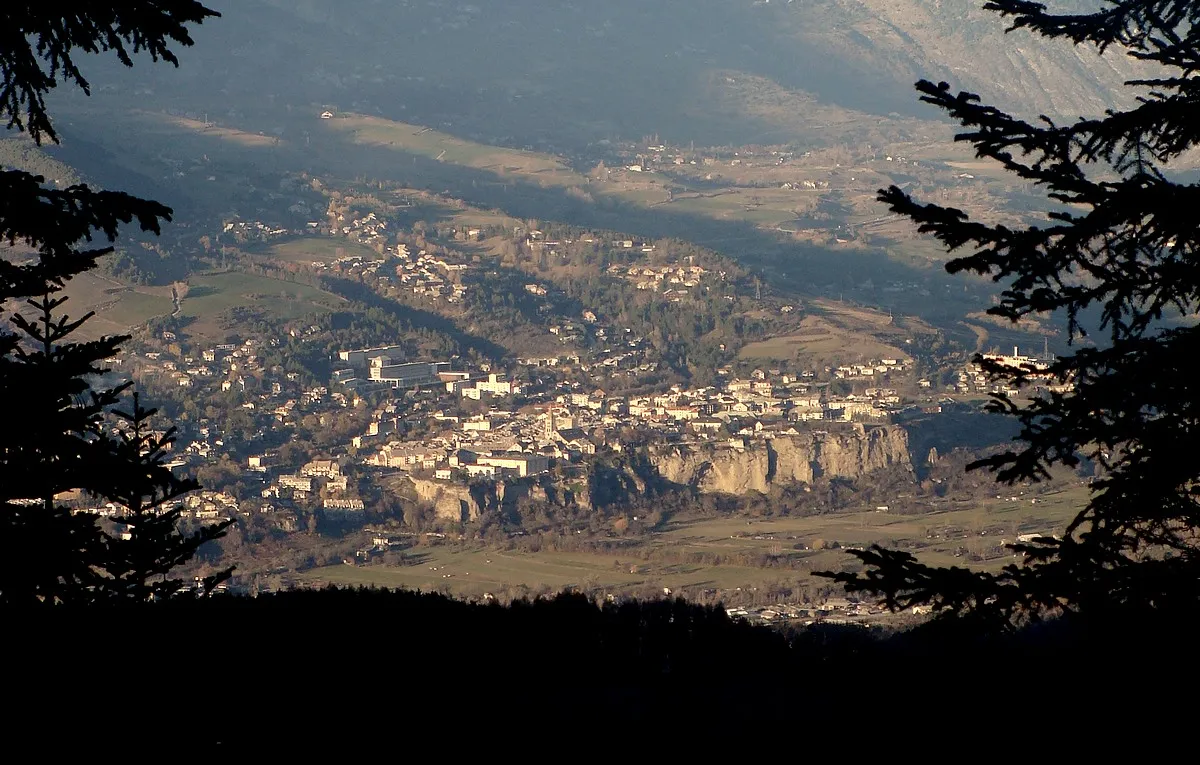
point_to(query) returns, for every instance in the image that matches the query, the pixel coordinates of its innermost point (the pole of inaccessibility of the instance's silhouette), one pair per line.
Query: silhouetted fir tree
(146, 488)
(1117, 257)
(58, 433)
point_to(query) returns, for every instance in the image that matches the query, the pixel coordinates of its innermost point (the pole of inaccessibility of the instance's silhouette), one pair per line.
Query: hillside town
(484, 424)
(387, 403)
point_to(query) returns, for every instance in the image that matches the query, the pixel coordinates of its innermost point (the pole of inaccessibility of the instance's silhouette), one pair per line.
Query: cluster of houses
(429, 275)
(670, 279)
(833, 611)
(255, 230)
(973, 378)
(210, 506)
(499, 445)
(233, 367)
(369, 230)
(206, 507)
(807, 184)
(237, 365)
(272, 396)
(771, 395)
(352, 265)
(615, 352)
(422, 275)
(320, 479)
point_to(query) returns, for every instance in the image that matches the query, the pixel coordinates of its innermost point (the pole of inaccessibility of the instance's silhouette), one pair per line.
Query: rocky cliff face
(712, 468)
(454, 502)
(797, 459)
(730, 471)
(462, 503)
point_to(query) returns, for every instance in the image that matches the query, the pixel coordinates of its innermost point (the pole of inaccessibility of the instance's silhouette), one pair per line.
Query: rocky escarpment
(455, 502)
(763, 464)
(462, 503)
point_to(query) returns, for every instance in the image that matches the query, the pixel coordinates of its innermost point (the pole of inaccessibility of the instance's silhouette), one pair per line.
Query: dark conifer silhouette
(146, 488)
(60, 429)
(1117, 258)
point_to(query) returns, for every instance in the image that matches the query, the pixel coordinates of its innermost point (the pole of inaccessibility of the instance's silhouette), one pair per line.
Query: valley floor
(734, 560)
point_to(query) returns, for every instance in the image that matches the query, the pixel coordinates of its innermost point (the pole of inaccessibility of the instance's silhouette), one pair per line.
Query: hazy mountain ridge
(573, 72)
(959, 42)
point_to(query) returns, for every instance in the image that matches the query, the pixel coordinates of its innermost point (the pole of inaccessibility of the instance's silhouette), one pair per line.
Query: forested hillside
(22, 154)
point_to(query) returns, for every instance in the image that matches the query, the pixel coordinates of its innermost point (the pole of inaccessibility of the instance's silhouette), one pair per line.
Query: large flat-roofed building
(362, 357)
(519, 462)
(496, 384)
(409, 375)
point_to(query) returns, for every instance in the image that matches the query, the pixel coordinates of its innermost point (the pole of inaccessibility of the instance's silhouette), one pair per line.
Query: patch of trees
(24, 154)
(148, 262)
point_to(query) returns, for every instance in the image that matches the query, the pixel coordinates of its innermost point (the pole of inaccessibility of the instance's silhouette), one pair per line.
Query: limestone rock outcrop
(763, 464)
(452, 502)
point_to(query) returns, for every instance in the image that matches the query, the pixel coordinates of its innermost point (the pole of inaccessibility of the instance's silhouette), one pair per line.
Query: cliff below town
(760, 466)
(463, 503)
(804, 458)
(455, 501)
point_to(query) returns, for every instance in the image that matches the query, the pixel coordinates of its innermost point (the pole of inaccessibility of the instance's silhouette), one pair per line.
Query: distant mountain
(571, 72)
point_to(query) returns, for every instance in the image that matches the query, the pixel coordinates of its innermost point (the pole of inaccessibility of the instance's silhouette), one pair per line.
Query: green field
(137, 307)
(118, 307)
(211, 295)
(543, 169)
(472, 572)
(819, 341)
(764, 207)
(317, 249)
(937, 536)
(950, 534)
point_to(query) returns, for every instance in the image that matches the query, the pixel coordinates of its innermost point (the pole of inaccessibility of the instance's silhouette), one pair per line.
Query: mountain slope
(563, 74)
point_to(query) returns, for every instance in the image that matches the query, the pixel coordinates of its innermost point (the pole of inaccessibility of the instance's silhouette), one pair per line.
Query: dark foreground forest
(362, 671)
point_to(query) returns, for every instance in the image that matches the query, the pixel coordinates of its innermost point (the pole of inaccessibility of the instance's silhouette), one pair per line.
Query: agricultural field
(478, 217)
(767, 208)
(232, 135)
(943, 536)
(680, 557)
(210, 296)
(119, 307)
(763, 207)
(542, 169)
(818, 342)
(473, 572)
(317, 249)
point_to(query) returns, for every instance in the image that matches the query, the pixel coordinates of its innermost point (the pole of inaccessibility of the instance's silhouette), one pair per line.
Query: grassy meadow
(819, 341)
(679, 556)
(120, 307)
(543, 169)
(317, 249)
(210, 296)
